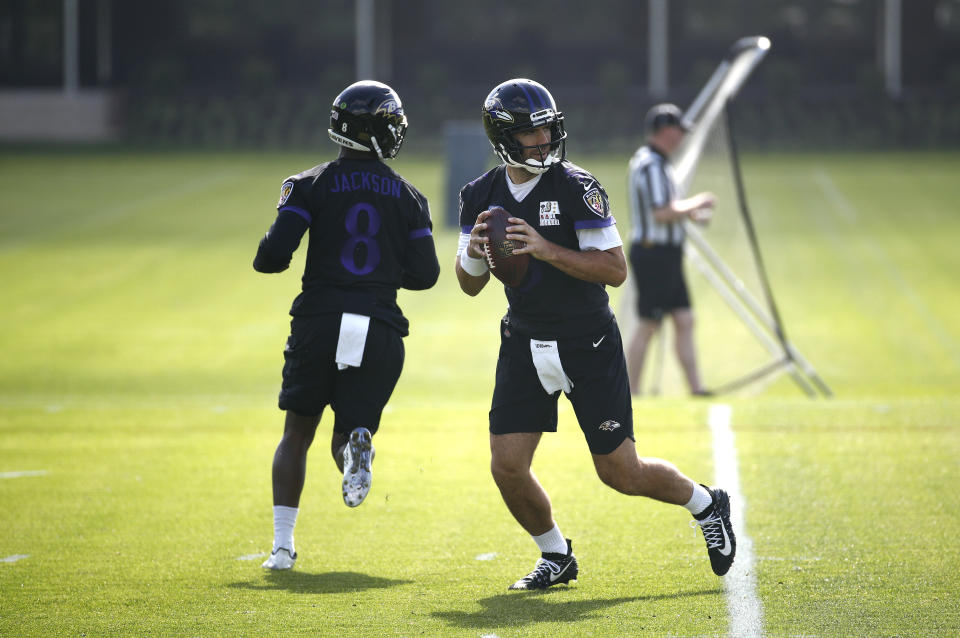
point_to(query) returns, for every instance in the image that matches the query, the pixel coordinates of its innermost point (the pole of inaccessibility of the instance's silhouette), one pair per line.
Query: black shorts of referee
(661, 286)
(312, 380)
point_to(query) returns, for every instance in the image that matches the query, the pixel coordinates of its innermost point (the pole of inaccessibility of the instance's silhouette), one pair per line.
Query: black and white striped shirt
(652, 185)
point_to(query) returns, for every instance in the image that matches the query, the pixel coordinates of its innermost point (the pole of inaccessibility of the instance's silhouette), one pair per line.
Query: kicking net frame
(713, 108)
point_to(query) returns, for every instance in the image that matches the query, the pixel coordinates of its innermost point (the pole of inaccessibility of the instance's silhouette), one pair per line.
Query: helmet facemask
(514, 154)
(387, 135)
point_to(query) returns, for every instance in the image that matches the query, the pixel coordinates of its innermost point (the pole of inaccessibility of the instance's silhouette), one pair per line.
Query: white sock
(700, 500)
(552, 542)
(284, 520)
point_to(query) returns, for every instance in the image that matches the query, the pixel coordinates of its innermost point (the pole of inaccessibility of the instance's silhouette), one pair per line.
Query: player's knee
(611, 477)
(625, 478)
(683, 320)
(300, 426)
(507, 473)
(296, 441)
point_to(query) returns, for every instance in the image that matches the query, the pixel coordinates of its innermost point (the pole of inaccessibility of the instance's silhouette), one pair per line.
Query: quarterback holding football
(559, 333)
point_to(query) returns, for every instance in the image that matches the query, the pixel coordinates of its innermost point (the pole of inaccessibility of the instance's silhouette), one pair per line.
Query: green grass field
(141, 359)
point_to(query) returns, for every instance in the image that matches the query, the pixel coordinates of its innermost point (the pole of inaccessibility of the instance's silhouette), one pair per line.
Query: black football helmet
(368, 116)
(523, 105)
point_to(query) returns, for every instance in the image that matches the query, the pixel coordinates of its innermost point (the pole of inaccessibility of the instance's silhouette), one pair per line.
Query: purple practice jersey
(370, 234)
(548, 303)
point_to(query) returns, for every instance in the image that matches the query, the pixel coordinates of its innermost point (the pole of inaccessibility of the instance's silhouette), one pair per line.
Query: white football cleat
(281, 558)
(358, 455)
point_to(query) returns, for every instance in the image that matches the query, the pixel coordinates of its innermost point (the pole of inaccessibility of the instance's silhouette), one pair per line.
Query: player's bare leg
(654, 478)
(637, 351)
(337, 442)
(686, 351)
(289, 472)
(658, 479)
(290, 459)
(511, 457)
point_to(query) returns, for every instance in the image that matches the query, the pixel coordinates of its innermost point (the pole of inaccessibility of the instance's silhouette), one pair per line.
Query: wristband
(473, 266)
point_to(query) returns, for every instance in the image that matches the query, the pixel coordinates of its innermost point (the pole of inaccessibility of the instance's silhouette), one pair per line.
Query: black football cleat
(552, 569)
(718, 531)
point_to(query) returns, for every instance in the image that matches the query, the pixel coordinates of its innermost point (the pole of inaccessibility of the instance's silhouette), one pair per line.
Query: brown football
(504, 264)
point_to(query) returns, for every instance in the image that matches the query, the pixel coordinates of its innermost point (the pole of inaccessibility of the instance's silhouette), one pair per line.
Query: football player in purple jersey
(370, 234)
(559, 334)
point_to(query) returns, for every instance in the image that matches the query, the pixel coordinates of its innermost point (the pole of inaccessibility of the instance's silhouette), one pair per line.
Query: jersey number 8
(352, 256)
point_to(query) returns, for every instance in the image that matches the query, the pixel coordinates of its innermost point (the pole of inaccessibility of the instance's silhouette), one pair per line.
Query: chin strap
(536, 170)
(376, 147)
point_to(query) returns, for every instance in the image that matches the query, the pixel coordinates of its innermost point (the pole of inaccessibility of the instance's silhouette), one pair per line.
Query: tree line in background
(238, 73)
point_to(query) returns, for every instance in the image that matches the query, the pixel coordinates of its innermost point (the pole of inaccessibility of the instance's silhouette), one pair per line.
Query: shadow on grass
(328, 583)
(523, 608)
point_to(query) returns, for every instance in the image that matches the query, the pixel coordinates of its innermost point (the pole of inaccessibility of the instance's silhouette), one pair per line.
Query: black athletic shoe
(718, 532)
(552, 569)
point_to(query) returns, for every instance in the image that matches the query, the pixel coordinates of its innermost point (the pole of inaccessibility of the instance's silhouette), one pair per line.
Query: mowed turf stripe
(93, 217)
(746, 610)
(848, 212)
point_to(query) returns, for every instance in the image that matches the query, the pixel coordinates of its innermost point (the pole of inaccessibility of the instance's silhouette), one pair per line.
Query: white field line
(14, 558)
(252, 556)
(22, 473)
(848, 212)
(740, 583)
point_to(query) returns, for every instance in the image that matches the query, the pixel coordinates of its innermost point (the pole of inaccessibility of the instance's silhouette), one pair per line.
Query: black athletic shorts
(311, 379)
(600, 395)
(661, 286)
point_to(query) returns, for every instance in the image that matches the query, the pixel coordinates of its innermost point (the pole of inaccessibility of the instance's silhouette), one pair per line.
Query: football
(504, 264)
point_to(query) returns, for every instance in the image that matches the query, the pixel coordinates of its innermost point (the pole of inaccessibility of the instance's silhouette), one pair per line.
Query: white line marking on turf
(252, 556)
(5, 475)
(487, 556)
(14, 558)
(840, 203)
(740, 583)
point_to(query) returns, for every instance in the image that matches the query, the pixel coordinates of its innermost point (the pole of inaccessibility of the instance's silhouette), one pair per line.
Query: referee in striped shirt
(656, 250)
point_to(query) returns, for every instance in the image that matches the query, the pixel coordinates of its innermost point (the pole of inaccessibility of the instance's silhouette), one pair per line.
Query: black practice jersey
(370, 234)
(549, 303)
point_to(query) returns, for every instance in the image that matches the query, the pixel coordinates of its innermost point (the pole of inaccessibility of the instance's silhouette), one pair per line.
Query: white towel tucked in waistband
(353, 338)
(546, 358)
